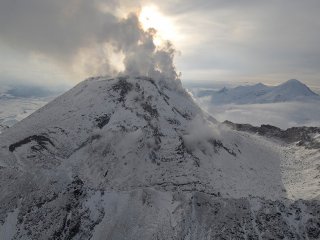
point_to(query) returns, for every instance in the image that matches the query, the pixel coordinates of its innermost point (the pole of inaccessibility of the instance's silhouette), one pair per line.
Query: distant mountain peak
(291, 90)
(294, 88)
(260, 85)
(293, 82)
(223, 90)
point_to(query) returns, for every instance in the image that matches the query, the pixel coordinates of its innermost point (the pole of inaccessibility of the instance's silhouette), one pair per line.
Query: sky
(59, 43)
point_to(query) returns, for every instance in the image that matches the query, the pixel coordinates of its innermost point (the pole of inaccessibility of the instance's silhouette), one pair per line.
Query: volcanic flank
(136, 158)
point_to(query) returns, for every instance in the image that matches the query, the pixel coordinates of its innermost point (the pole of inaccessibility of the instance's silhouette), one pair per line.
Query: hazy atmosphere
(157, 120)
(59, 43)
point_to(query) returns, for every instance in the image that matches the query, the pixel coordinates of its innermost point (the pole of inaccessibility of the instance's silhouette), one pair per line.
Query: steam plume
(86, 35)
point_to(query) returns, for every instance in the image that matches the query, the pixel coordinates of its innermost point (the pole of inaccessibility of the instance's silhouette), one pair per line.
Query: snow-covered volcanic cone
(135, 158)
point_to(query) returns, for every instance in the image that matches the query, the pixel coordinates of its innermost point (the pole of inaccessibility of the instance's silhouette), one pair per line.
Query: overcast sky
(60, 42)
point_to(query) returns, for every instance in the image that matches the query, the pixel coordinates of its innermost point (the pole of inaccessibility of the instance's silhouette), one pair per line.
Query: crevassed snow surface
(134, 158)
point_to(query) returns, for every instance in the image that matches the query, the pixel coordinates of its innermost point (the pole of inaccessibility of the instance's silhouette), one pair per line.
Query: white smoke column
(142, 56)
(84, 35)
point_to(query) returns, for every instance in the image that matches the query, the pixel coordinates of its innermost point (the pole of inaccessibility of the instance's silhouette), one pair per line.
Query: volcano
(136, 158)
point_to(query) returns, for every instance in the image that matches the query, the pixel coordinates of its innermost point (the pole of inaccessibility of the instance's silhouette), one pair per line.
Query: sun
(151, 17)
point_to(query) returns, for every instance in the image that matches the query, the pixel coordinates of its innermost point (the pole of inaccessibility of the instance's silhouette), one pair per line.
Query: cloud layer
(283, 115)
(268, 41)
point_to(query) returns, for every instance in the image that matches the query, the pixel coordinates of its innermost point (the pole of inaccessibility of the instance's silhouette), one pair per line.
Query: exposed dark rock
(123, 86)
(149, 109)
(218, 145)
(313, 228)
(102, 120)
(173, 121)
(302, 136)
(41, 141)
(184, 115)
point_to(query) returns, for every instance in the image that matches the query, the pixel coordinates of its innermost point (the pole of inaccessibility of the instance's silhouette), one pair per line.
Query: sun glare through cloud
(151, 17)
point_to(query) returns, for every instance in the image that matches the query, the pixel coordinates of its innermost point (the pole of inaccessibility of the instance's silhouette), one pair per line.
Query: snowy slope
(13, 110)
(19, 101)
(300, 156)
(134, 158)
(292, 90)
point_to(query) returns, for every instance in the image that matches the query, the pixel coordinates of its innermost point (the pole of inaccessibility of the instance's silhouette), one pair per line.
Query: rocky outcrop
(301, 136)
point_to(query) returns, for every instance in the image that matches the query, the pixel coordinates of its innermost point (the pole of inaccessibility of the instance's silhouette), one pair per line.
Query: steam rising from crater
(87, 37)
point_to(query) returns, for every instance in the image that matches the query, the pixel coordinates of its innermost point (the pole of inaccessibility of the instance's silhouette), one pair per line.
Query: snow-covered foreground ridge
(134, 158)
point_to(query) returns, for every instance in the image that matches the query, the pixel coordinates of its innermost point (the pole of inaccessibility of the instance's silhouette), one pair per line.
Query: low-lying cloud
(283, 115)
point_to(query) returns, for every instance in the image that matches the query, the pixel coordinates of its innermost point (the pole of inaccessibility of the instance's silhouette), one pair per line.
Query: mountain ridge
(291, 90)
